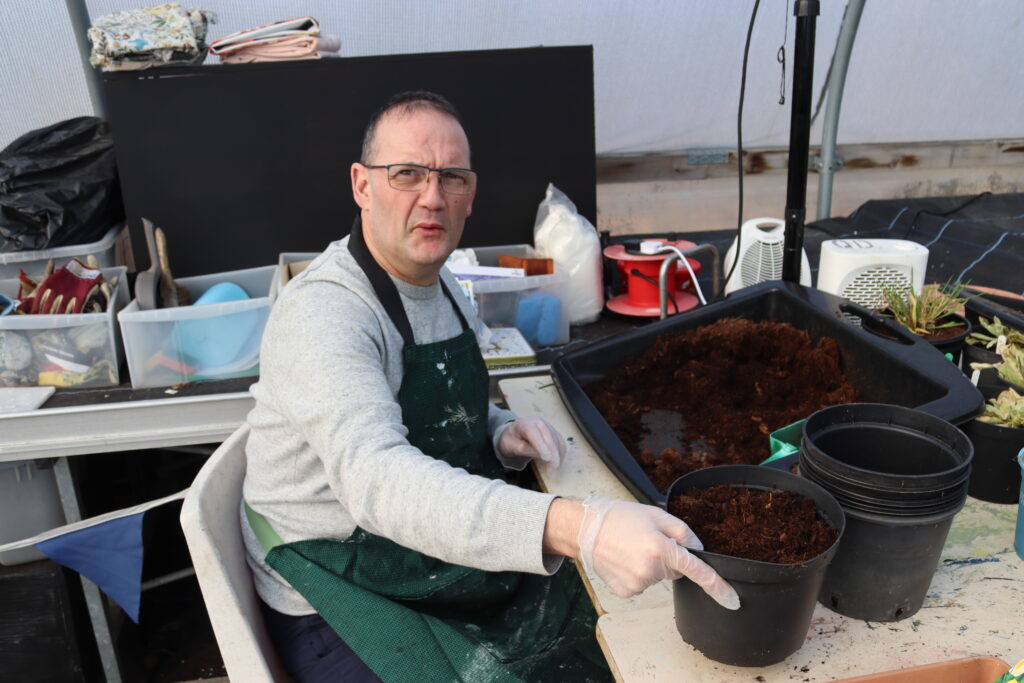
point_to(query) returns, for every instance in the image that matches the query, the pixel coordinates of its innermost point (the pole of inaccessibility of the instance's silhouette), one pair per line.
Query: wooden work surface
(973, 606)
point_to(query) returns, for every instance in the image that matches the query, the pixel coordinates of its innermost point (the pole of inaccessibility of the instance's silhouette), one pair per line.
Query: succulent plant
(1007, 410)
(995, 329)
(923, 313)
(1011, 368)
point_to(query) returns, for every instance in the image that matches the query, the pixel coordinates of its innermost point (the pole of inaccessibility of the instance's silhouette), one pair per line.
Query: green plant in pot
(1011, 366)
(997, 435)
(980, 351)
(981, 345)
(993, 330)
(933, 314)
(1006, 410)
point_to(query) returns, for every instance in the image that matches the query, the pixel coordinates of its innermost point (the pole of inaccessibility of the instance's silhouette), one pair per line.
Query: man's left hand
(532, 437)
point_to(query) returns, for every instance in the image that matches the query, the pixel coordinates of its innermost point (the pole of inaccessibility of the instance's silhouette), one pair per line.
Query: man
(382, 538)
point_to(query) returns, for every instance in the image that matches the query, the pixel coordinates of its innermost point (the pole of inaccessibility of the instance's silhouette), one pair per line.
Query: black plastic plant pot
(979, 354)
(984, 304)
(885, 564)
(995, 474)
(869, 453)
(952, 345)
(777, 600)
(887, 449)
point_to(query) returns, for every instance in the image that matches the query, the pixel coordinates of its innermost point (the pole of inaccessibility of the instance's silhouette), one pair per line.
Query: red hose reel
(640, 273)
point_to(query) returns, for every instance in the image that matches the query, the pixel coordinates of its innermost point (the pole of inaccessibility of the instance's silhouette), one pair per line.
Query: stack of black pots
(900, 476)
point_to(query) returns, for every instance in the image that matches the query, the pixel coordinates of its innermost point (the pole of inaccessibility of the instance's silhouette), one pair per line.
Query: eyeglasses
(413, 178)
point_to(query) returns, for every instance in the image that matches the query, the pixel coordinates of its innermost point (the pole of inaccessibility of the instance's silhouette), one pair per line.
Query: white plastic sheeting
(666, 72)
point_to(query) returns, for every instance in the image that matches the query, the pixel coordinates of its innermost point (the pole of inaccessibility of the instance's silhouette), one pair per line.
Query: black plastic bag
(58, 185)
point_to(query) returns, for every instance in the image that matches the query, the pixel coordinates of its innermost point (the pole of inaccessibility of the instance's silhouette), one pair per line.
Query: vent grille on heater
(761, 262)
(866, 288)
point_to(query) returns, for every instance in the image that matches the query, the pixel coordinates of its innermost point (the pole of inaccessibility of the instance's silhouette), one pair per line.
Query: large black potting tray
(907, 372)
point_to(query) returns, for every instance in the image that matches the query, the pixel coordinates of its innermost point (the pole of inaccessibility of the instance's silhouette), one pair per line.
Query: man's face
(411, 234)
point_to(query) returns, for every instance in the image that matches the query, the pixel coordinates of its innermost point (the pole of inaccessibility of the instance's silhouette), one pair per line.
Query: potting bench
(972, 608)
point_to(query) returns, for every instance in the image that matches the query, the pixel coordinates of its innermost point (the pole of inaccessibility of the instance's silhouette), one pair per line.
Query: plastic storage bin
(29, 505)
(81, 349)
(488, 256)
(537, 305)
(215, 340)
(33, 262)
(283, 274)
(914, 375)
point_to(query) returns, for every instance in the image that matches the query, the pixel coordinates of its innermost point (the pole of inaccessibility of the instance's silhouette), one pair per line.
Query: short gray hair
(404, 103)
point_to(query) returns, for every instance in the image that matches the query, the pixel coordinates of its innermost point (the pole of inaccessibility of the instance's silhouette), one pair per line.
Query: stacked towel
(290, 39)
(151, 36)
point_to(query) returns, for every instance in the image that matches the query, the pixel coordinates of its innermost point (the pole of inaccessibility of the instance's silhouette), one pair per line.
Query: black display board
(238, 163)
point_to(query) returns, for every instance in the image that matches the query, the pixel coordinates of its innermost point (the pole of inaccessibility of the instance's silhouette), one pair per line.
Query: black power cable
(670, 297)
(739, 144)
(943, 214)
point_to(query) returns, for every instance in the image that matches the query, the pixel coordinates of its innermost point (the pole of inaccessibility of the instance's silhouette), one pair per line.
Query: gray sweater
(328, 452)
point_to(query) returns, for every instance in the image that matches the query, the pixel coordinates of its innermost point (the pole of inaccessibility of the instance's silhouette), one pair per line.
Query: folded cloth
(288, 39)
(296, 47)
(287, 28)
(151, 36)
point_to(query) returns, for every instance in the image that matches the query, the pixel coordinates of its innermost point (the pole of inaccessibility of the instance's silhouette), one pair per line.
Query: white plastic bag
(563, 235)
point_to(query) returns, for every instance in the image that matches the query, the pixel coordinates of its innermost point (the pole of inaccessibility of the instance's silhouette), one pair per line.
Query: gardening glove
(633, 546)
(66, 290)
(530, 438)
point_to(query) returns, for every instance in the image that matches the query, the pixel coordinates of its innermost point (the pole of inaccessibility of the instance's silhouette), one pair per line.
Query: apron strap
(385, 288)
(265, 533)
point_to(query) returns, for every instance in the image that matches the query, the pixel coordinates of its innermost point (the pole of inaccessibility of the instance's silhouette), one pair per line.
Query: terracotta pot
(969, 670)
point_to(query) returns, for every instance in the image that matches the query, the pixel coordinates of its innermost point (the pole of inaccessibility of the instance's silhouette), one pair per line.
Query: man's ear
(361, 185)
(469, 206)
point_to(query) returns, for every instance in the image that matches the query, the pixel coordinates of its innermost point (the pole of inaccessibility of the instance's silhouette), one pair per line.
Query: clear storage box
(79, 349)
(488, 256)
(286, 268)
(29, 505)
(216, 340)
(536, 305)
(33, 262)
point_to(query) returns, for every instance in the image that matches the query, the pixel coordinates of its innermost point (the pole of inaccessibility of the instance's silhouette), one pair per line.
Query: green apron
(411, 617)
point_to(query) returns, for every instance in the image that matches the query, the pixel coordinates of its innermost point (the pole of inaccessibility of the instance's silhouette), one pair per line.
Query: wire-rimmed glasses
(414, 178)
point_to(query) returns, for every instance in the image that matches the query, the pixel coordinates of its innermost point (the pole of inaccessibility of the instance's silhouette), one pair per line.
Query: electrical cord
(943, 214)
(689, 269)
(739, 146)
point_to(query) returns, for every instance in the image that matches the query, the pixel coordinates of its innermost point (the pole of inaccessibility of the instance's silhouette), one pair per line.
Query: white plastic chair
(209, 517)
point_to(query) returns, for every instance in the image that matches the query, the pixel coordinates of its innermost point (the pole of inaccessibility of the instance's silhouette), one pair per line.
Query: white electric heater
(762, 241)
(858, 269)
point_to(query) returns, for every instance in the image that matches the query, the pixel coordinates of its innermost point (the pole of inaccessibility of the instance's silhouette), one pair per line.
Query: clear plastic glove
(633, 546)
(532, 437)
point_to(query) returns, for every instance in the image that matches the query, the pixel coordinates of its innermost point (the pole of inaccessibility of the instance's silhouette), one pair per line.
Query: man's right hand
(633, 546)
